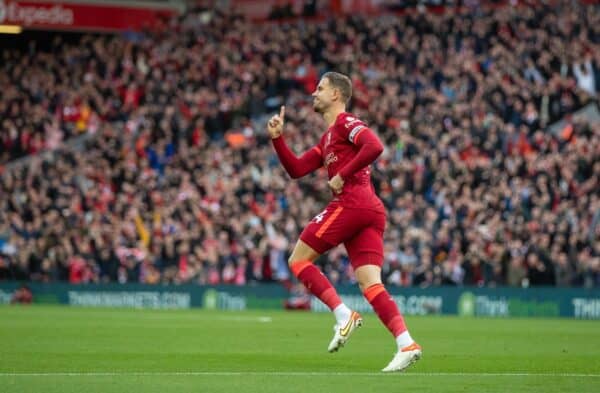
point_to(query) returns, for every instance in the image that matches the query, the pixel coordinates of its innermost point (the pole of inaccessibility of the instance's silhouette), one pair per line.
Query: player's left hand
(336, 183)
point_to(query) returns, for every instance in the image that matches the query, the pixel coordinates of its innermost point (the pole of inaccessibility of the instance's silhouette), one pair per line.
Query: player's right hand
(275, 125)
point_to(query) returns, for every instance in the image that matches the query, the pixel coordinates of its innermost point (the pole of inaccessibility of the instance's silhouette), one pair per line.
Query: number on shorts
(319, 217)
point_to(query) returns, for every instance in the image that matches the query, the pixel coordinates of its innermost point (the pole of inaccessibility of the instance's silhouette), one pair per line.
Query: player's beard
(318, 107)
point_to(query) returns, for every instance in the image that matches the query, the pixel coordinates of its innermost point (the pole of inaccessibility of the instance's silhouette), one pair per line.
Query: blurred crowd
(180, 183)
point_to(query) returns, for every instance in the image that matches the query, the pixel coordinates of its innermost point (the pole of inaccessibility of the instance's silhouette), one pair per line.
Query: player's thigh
(366, 247)
(334, 225)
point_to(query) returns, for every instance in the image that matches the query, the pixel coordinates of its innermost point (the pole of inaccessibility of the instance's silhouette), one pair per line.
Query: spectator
(22, 295)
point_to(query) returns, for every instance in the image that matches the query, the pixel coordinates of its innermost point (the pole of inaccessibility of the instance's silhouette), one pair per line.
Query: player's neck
(331, 115)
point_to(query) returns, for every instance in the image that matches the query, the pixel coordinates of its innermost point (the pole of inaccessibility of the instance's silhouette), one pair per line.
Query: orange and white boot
(404, 358)
(343, 331)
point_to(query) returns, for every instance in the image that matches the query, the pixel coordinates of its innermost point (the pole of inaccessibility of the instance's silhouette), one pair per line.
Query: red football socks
(316, 282)
(386, 309)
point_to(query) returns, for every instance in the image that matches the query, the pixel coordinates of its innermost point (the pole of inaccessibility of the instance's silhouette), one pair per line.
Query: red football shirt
(339, 145)
(348, 147)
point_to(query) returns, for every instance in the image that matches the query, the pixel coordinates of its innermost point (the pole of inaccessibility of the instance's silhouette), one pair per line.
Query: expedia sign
(81, 16)
(33, 14)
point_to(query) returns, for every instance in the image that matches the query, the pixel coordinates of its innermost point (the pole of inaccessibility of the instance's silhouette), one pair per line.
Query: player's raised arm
(296, 167)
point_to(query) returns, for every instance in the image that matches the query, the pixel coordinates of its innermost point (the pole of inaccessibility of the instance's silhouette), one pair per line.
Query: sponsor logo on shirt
(330, 158)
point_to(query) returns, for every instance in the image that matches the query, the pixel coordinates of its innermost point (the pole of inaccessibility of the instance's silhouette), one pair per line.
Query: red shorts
(361, 231)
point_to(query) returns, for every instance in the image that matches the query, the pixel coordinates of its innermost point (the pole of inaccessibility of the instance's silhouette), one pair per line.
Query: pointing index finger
(282, 112)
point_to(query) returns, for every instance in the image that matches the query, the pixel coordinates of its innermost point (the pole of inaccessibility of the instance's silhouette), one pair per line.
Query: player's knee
(302, 253)
(294, 259)
(367, 276)
(297, 266)
(365, 283)
(291, 261)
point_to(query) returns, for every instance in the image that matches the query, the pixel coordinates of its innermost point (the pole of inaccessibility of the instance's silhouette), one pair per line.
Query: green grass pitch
(61, 349)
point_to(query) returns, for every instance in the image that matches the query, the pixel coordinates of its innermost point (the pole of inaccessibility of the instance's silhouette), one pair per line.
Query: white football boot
(344, 331)
(404, 358)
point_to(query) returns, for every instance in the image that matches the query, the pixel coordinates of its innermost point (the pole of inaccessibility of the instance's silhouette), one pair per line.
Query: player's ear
(337, 93)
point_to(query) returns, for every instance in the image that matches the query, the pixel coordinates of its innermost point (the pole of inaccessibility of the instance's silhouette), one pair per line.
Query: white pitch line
(242, 318)
(290, 373)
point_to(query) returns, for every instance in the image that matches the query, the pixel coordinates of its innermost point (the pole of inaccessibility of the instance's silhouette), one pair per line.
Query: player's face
(323, 96)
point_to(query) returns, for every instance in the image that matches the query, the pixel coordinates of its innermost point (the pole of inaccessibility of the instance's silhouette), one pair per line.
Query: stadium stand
(178, 181)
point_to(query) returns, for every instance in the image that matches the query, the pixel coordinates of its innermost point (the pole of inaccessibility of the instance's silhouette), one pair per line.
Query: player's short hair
(340, 82)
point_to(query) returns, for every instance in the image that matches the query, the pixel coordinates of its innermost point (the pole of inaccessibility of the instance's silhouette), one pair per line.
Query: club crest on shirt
(350, 121)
